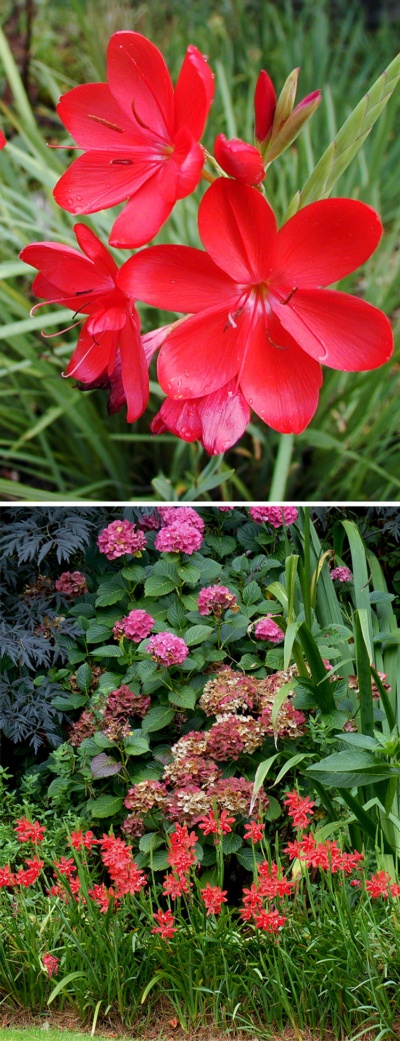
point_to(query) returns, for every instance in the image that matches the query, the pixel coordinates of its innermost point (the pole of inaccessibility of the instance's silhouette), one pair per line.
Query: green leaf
(111, 650)
(273, 810)
(106, 806)
(350, 769)
(111, 591)
(68, 703)
(351, 136)
(234, 630)
(75, 655)
(261, 773)
(246, 858)
(150, 841)
(291, 763)
(97, 632)
(197, 633)
(176, 615)
(84, 677)
(222, 545)
(189, 574)
(133, 573)
(159, 861)
(231, 843)
(249, 662)
(251, 593)
(157, 718)
(64, 983)
(183, 698)
(136, 747)
(158, 586)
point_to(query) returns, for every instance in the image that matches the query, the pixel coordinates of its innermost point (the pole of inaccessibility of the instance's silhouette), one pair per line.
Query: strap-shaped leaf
(349, 140)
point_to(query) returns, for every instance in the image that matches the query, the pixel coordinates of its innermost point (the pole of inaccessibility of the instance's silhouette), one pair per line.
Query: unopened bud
(292, 126)
(264, 107)
(239, 159)
(286, 100)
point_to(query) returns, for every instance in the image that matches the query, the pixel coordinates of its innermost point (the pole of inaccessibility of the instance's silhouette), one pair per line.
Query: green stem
(307, 567)
(281, 468)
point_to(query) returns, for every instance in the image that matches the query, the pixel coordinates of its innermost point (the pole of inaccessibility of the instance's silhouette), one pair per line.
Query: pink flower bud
(264, 106)
(239, 159)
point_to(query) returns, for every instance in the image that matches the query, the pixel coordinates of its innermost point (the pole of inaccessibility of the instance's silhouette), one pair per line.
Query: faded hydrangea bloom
(216, 599)
(71, 583)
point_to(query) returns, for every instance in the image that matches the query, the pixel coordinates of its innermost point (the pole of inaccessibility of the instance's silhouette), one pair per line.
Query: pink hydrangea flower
(266, 629)
(167, 649)
(179, 536)
(51, 964)
(120, 537)
(273, 515)
(135, 626)
(71, 583)
(214, 599)
(181, 514)
(341, 574)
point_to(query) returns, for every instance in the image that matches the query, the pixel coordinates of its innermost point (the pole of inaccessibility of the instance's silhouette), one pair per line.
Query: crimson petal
(65, 268)
(324, 242)
(140, 82)
(95, 120)
(135, 376)
(280, 382)
(201, 355)
(90, 359)
(94, 181)
(95, 250)
(178, 278)
(237, 228)
(141, 218)
(224, 415)
(194, 92)
(339, 330)
(180, 418)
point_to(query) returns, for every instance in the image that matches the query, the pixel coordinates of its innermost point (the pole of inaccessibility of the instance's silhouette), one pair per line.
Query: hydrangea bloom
(267, 629)
(120, 537)
(135, 626)
(71, 583)
(341, 574)
(276, 516)
(215, 599)
(167, 649)
(179, 537)
(51, 964)
(183, 514)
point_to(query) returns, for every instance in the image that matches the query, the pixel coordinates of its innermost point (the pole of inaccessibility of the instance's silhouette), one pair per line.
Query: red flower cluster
(212, 825)
(118, 859)
(71, 583)
(276, 516)
(29, 831)
(83, 840)
(215, 599)
(135, 626)
(324, 855)
(299, 809)
(120, 537)
(213, 897)
(254, 831)
(267, 629)
(51, 964)
(181, 855)
(165, 924)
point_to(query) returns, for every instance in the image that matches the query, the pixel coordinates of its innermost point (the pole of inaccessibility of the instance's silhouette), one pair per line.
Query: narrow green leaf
(64, 983)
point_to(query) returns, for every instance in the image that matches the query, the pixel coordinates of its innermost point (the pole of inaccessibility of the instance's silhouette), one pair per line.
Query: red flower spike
(109, 351)
(3, 140)
(264, 106)
(239, 160)
(259, 312)
(140, 137)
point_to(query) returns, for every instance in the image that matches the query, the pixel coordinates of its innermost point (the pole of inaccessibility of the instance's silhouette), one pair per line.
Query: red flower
(165, 926)
(212, 825)
(239, 160)
(27, 876)
(83, 840)
(181, 855)
(213, 897)
(218, 420)
(259, 316)
(173, 886)
(3, 140)
(253, 831)
(109, 351)
(141, 138)
(299, 809)
(51, 964)
(29, 831)
(378, 884)
(6, 876)
(269, 921)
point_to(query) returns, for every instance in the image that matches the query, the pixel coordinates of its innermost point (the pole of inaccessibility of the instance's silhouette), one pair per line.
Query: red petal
(194, 92)
(135, 376)
(3, 140)
(140, 82)
(177, 278)
(200, 356)
(151, 342)
(95, 120)
(91, 359)
(141, 218)
(97, 180)
(239, 160)
(94, 249)
(324, 242)
(264, 105)
(106, 320)
(237, 228)
(66, 268)
(280, 383)
(180, 418)
(339, 330)
(224, 415)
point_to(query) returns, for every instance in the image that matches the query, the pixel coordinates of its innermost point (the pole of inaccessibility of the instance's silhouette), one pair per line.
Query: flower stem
(281, 469)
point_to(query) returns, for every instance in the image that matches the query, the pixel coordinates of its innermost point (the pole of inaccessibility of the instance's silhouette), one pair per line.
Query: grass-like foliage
(58, 443)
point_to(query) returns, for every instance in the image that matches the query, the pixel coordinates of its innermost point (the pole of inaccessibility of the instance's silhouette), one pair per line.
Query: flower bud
(290, 129)
(264, 107)
(286, 100)
(239, 159)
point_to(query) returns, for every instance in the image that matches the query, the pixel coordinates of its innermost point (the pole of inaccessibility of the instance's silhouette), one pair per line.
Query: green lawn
(52, 1034)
